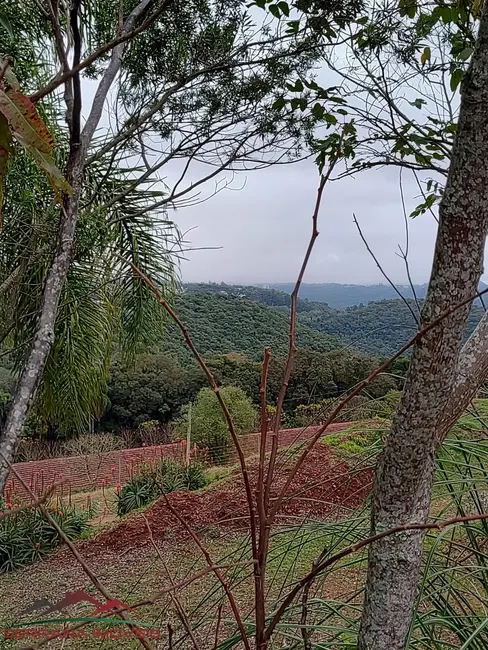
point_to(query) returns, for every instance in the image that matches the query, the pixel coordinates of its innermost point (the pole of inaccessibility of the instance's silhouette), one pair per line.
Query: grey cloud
(263, 229)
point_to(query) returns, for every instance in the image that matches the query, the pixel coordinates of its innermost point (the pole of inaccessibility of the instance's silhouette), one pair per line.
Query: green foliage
(208, 424)
(308, 414)
(155, 387)
(222, 324)
(167, 474)
(379, 328)
(27, 536)
(104, 306)
(138, 492)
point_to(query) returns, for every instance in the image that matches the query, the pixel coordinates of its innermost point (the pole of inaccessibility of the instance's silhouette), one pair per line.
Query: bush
(209, 428)
(27, 536)
(309, 414)
(146, 483)
(138, 492)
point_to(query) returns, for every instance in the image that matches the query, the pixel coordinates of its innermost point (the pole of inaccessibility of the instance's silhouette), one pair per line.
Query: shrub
(27, 536)
(30, 449)
(146, 483)
(195, 475)
(308, 414)
(209, 428)
(384, 407)
(138, 492)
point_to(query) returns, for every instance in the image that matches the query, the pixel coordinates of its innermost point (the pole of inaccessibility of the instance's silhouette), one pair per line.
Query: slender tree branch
(404, 254)
(385, 275)
(33, 504)
(217, 627)
(260, 565)
(306, 633)
(75, 118)
(216, 571)
(264, 431)
(292, 334)
(63, 59)
(173, 593)
(215, 388)
(111, 72)
(361, 386)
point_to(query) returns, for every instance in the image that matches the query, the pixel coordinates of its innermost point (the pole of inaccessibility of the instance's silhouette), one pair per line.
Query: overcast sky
(258, 231)
(262, 230)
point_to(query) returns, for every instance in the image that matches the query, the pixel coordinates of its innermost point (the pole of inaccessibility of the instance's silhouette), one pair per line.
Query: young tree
(208, 424)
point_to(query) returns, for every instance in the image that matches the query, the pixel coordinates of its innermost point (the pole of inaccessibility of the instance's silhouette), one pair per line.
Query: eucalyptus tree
(182, 91)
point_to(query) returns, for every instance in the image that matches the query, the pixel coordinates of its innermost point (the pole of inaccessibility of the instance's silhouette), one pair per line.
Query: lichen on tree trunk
(403, 481)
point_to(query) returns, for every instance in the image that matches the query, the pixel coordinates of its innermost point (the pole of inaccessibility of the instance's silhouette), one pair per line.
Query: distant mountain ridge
(341, 296)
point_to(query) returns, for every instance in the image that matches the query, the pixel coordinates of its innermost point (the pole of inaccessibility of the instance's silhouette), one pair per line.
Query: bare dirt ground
(323, 489)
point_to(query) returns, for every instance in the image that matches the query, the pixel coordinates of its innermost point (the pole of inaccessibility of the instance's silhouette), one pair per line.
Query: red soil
(323, 489)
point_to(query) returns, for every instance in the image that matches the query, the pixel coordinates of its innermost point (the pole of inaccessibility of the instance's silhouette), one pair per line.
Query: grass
(142, 572)
(454, 587)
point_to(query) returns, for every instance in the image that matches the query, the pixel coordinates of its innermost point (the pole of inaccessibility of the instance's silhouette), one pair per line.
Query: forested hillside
(220, 319)
(221, 324)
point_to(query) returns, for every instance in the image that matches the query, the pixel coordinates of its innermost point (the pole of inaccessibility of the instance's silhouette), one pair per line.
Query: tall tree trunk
(43, 338)
(403, 481)
(44, 334)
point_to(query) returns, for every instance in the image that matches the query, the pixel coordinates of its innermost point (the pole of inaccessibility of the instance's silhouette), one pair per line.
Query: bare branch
(33, 504)
(218, 574)
(361, 386)
(63, 58)
(87, 570)
(292, 335)
(215, 388)
(392, 284)
(173, 593)
(404, 254)
(75, 117)
(112, 71)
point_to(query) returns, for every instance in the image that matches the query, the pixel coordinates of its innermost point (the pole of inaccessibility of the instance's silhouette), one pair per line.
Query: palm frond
(74, 380)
